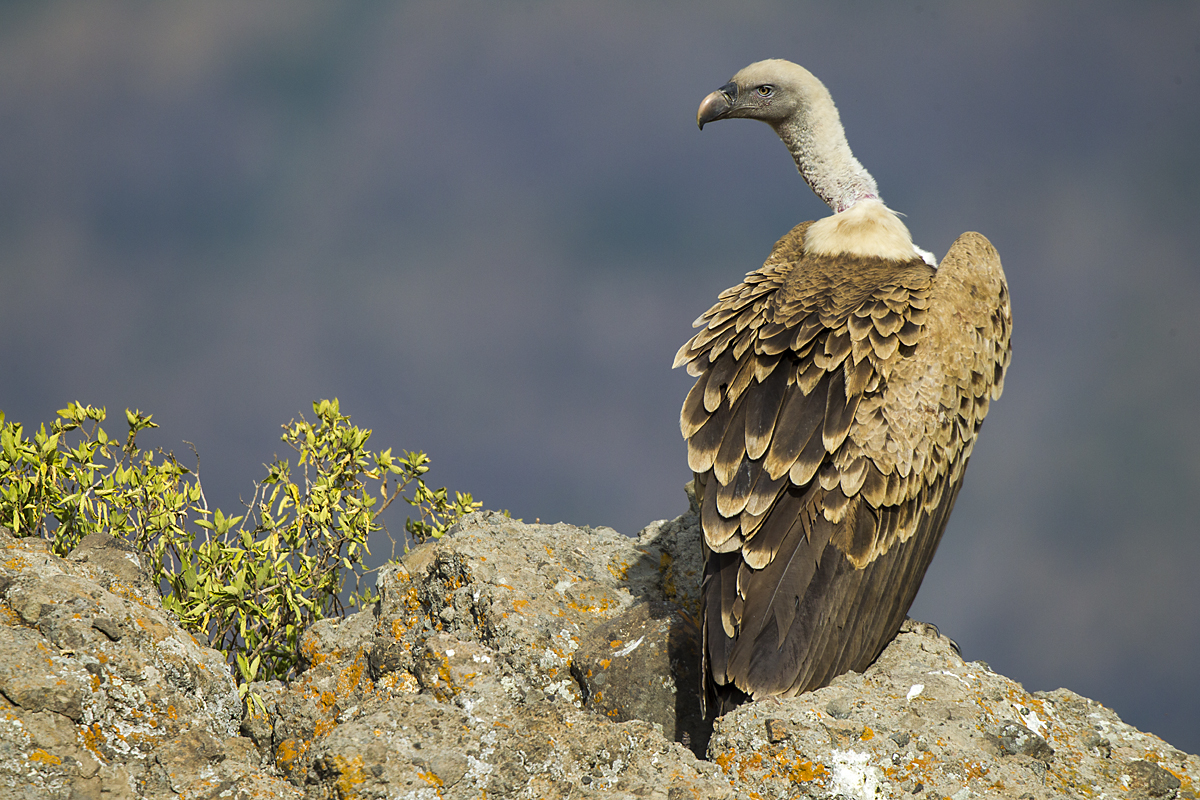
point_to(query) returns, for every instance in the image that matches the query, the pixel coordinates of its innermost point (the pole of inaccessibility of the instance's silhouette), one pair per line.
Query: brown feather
(859, 326)
(702, 447)
(718, 378)
(858, 376)
(760, 549)
(720, 533)
(873, 484)
(741, 379)
(766, 489)
(762, 408)
(805, 331)
(839, 411)
(810, 458)
(752, 522)
(733, 446)
(799, 418)
(732, 497)
(693, 415)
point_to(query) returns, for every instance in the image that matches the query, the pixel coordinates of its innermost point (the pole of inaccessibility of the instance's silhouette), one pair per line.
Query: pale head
(771, 91)
(791, 100)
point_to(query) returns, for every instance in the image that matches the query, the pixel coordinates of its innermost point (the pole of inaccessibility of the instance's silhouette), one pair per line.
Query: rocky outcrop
(512, 660)
(102, 694)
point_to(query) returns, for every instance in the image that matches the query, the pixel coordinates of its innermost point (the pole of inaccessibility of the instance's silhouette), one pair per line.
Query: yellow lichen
(351, 773)
(430, 778)
(289, 752)
(9, 617)
(42, 757)
(619, 570)
(93, 739)
(591, 603)
(348, 678)
(800, 770)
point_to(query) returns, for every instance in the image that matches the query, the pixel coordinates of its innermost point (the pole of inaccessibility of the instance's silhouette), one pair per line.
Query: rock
(1147, 779)
(482, 672)
(101, 693)
(922, 721)
(464, 687)
(645, 664)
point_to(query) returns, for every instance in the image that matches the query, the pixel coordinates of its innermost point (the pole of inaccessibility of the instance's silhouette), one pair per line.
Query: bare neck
(817, 142)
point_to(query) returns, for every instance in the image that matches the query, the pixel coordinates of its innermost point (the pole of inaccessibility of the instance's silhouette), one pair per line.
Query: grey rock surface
(458, 683)
(922, 722)
(645, 664)
(469, 678)
(102, 694)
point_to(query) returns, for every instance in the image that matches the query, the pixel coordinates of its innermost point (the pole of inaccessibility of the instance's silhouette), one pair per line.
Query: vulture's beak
(717, 104)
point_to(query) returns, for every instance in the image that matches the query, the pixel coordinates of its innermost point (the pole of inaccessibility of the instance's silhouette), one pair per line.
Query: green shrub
(249, 583)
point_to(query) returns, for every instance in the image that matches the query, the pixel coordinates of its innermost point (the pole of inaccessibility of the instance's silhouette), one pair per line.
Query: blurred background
(487, 228)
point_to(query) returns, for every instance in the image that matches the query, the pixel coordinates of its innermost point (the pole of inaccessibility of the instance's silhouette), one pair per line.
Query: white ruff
(867, 228)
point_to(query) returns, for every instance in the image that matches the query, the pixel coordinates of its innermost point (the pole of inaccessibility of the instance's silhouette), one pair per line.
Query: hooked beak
(717, 105)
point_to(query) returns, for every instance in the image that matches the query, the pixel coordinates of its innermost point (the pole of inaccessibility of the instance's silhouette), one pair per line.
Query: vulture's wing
(836, 403)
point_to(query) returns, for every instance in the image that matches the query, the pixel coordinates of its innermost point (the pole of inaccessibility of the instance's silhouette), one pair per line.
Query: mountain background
(487, 228)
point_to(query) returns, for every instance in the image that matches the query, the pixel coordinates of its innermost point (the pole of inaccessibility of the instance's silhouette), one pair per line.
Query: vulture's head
(771, 91)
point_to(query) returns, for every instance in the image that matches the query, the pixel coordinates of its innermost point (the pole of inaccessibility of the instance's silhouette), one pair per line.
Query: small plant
(249, 583)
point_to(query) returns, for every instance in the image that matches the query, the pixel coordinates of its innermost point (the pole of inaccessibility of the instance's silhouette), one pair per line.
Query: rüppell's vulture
(839, 390)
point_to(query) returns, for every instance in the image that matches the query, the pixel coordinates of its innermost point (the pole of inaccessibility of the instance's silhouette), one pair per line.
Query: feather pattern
(829, 444)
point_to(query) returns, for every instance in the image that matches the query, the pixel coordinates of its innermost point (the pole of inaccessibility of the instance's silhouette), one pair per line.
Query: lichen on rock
(509, 660)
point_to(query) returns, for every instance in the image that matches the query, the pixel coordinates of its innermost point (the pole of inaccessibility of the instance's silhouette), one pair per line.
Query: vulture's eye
(766, 90)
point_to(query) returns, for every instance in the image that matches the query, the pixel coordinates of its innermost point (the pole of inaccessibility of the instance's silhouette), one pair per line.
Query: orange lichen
(128, 592)
(620, 570)
(349, 678)
(351, 773)
(867, 735)
(42, 757)
(664, 566)
(93, 739)
(590, 604)
(9, 617)
(430, 778)
(323, 727)
(799, 770)
(309, 651)
(289, 752)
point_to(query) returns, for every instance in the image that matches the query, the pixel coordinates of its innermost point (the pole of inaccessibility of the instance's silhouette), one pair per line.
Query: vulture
(839, 391)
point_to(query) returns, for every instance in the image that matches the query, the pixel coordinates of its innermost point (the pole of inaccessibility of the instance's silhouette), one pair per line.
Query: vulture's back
(837, 402)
